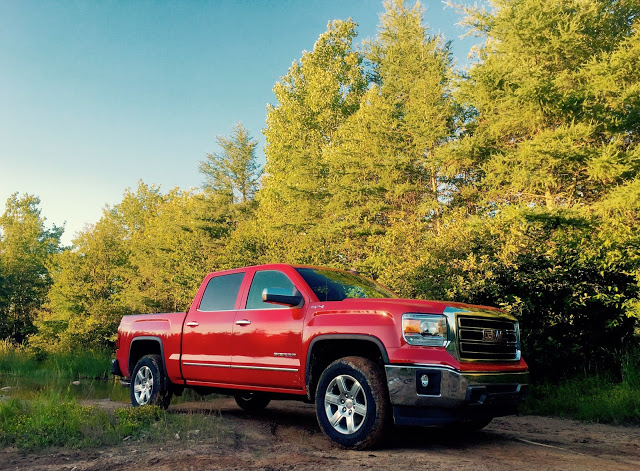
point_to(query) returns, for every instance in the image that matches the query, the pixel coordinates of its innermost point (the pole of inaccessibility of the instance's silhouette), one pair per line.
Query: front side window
(267, 279)
(221, 293)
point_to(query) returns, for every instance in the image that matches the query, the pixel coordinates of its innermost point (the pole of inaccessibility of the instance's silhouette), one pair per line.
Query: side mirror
(284, 296)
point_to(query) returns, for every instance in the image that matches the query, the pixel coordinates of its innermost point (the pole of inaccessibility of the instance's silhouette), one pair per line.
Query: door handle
(193, 324)
(243, 322)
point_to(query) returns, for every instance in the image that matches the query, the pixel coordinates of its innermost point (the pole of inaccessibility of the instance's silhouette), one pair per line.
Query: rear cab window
(221, 293)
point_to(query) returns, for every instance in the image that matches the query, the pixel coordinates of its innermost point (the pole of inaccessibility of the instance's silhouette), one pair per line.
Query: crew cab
(365, 357)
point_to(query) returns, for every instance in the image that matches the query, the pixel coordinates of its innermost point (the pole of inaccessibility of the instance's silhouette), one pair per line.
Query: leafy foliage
(146, 254)
(26, 247)
(544, 130)
(513, 183)
(383, 164)
(234, 172)
(317, 95)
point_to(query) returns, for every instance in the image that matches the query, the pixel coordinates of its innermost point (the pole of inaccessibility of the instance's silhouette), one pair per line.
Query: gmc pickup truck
(365, 357)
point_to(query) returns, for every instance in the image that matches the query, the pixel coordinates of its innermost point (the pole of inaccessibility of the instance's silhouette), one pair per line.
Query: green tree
(553, 127)
(570, 278)
(233, 172)
(171, 253)
(319, 92)
(146, 254)
(539, 100)
(385, 165)
(85, 303)
(26, 246)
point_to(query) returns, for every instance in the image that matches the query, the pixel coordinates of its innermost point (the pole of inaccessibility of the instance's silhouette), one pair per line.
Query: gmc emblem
(490, 335)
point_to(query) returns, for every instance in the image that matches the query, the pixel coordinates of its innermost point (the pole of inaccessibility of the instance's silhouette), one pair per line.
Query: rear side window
(221, 293)
(266, 279)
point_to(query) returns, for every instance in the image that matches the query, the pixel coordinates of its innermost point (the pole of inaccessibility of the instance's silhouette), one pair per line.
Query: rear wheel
(252, 401)
(148, 383)
(352, 403)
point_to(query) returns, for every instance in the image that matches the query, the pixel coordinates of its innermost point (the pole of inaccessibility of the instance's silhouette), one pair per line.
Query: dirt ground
(286, 436)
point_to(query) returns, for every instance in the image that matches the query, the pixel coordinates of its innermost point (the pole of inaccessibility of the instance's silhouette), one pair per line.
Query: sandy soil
(286, 436)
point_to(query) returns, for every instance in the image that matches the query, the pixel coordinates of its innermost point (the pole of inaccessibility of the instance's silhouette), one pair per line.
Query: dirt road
(286, 436)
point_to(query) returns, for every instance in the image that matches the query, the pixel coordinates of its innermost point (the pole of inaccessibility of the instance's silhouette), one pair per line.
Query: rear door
(207, 331)
(267, 338)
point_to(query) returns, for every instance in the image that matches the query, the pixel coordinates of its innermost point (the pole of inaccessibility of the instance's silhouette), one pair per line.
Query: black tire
(148, 385)
(252, 401)
(352, 403)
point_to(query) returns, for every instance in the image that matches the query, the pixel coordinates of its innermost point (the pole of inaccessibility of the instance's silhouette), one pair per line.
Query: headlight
(425, 329)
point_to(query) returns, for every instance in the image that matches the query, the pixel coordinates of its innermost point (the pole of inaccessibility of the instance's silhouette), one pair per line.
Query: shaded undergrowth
(19, 360)
(51, 421)
(595, 398)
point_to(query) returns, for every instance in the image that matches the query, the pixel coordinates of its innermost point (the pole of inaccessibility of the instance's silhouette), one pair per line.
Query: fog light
(424, 380)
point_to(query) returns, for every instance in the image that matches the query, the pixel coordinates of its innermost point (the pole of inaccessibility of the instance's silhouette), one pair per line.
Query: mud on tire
(352, 403)
(148, 385)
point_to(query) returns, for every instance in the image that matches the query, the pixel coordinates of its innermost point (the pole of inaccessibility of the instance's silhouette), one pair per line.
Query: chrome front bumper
(451, 395)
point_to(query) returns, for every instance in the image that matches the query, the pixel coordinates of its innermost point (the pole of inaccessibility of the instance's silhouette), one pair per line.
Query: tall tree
(84, 305)
(234, 171)
(385, 165)
(171, 253)
(148, 253)
(26, 247)
(554, 100)
(538, 134)
(319, 92)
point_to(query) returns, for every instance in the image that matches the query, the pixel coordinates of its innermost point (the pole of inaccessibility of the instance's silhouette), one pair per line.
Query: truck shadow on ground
(295, 423)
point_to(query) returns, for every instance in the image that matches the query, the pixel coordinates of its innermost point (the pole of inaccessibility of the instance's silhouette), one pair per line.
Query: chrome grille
(487, 339)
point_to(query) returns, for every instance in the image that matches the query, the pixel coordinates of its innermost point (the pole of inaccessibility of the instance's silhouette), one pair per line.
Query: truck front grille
(487, 339)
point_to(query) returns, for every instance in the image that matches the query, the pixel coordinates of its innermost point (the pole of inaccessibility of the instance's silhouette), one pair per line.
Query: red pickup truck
(367, 358)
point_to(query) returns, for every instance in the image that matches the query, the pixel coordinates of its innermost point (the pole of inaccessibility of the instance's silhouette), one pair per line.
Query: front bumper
(451, 395)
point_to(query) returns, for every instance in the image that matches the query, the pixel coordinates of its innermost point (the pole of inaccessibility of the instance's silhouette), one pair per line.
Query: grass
(589, 399)
(49, 421)
(592, 398)
(18, 360)
(48, 415)
(54, 418)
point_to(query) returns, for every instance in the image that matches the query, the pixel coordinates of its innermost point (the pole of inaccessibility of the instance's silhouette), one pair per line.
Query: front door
(267, 338)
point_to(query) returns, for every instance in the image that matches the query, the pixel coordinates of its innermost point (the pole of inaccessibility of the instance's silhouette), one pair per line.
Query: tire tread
(162, 395)
(375, 380)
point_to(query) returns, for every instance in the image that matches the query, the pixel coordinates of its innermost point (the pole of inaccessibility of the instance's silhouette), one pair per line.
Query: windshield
(335, 285)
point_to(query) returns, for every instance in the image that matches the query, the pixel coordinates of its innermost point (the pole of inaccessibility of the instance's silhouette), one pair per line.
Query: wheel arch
(325, 349)
(147, 345)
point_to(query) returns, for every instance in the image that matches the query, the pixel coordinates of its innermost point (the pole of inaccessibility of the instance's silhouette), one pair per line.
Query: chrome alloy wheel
(345, 404)
(143, 385)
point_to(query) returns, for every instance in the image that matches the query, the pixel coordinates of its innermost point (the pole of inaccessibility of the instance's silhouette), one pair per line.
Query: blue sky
(95, 96)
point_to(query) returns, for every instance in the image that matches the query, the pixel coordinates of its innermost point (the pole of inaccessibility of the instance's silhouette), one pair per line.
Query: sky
(96, 96)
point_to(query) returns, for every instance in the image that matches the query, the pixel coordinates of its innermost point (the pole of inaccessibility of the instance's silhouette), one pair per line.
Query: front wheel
(148, 383)
(352, 403)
